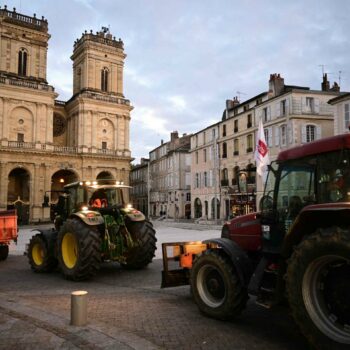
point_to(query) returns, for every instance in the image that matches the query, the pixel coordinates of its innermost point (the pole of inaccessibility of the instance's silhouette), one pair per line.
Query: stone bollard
(78, 311)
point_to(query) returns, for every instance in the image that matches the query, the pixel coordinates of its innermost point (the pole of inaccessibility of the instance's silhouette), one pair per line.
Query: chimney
(335, 87)
(325, 83)
(161, 142)
(276, 85)
(174, 135)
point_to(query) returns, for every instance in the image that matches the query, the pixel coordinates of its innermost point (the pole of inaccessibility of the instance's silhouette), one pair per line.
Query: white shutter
(317, 105)
(278, 109)
(303, 134)
(290, 133)
(270, 143)
(287, 106)
(211, 178)
(318, 132)
(268, 112)
(277, 136)
(303, 104)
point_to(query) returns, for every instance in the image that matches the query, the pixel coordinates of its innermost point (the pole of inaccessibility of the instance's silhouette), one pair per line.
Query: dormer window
(104, 79)
(22, 62)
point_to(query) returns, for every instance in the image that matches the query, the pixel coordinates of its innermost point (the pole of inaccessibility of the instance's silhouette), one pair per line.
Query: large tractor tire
(4, 251)
(79, 250)
(216, 287)
(318, 288)
(144, 237)
(41, 259)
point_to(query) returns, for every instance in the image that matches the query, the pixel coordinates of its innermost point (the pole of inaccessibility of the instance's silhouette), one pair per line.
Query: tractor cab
(293, 185)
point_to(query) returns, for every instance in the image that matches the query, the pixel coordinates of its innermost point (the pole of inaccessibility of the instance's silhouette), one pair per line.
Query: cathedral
(46, 143)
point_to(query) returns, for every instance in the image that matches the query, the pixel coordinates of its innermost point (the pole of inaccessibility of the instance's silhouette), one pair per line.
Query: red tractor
(8, 231)
(296, 250)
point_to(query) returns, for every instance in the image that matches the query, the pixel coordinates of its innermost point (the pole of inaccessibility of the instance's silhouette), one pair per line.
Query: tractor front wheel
(39, 256)
(79, 250)
(318, 288)
(216, 287)
(4, 251)
(144, 238)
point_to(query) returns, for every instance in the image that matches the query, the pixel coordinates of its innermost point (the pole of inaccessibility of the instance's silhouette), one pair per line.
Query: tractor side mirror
(46, 201)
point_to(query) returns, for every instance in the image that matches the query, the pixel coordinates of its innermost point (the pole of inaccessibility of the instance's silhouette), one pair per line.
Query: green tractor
(92, 224)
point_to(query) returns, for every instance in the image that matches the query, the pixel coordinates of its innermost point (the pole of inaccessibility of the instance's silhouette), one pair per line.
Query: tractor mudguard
(238, 257)
(133, 214)
(89, 217)
(50, 237)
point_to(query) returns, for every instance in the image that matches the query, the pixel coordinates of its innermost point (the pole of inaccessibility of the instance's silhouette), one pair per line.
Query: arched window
(22, 62)
(104, 79)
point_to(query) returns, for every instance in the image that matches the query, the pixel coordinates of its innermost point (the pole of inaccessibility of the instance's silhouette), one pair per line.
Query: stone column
(6, 116)
(120, 79)
(3, 185)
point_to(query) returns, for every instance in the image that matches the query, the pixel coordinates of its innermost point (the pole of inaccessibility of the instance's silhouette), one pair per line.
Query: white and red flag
(261, 151)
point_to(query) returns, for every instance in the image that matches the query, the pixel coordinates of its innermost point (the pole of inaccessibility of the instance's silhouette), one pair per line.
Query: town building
(46, 143)
(170, 178)
(341, 105)
(292, 115)
(139, 175)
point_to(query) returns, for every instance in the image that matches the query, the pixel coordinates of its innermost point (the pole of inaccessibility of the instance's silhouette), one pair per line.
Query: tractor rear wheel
(318, 288)
(4, 251)
(216, 287)
(144, 237)
(39, 256)
(79, 250)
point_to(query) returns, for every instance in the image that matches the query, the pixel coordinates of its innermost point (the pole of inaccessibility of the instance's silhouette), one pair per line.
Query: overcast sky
(186, 57)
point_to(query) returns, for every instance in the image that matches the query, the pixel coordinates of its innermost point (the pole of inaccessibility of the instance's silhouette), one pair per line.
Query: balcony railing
(26, 83)
(62, 149)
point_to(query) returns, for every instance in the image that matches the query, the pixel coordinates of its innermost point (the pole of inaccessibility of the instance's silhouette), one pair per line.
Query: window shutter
(290, 133)
(303, 104)
(318, 132)
(278, 109)
(287, 106)
(211, 178)
(268, 112)
(269, 130)
(303, 134)
(277, 136)
(317, 105)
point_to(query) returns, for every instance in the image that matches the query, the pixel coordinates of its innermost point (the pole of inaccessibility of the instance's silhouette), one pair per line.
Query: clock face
(59, 125)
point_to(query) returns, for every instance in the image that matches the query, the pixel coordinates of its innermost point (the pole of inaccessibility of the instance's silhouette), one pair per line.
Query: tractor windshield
(105, 196)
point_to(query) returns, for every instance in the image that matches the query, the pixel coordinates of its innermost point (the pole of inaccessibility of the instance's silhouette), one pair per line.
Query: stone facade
(170, 178)
(291, 115)
(341, 113)
(46, 143)
(139, 186)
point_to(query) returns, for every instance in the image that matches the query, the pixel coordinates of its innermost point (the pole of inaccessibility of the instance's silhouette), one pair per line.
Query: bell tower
(98, 113)
(98, 61)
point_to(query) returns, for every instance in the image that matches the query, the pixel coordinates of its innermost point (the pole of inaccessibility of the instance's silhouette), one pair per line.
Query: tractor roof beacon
(92, 224)
(296, 249)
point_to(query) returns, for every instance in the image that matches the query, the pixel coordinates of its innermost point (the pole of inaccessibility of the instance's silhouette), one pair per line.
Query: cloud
(178, 103)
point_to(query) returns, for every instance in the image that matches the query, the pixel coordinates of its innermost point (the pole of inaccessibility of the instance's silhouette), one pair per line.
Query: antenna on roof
(239, 93)
(339, 77)
(323, 66)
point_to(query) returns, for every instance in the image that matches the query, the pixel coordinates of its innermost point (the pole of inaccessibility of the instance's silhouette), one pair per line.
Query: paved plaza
(127, 309)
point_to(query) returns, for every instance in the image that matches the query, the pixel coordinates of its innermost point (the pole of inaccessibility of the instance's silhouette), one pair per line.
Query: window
(224, 150)
(347, 116)
(267, 136)
(266, 114)
(283, 107)
(224, 130)
(283, 135)
(205, 179)
(249, 121)
(246, 107)
(104, 79)
(249, 143)
(310, 133)
(213, 134)
(204, 138)
(22, 62)
(224, 177)
(310, 104)
(20, 137)
(104, 145)
(205, 155)
(235, 147)
(196, 157)
(197, 180)
(188, 197)
(235, 126)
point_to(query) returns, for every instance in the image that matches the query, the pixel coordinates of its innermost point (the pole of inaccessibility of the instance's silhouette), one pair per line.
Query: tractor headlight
(128, 206)
(84, 208)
